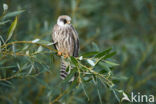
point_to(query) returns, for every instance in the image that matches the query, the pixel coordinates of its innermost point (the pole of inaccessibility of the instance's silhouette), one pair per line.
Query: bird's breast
(64, 38)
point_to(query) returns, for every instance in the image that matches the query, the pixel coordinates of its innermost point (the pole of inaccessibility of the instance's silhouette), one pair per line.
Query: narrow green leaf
(11, 29)
(102, 71)
(83, 68)
(2, 40)
(99, 95)
(105, 66)
(94, 79)
(116, 96)
(89, 79)
(67, 69)
(111, 63)
(91, 62)
(42, 42)
(4, 22)
(12, 14)
(95, 46)
(101, 54)
(72, 72)
(74, 61)
(40, 49)
(95, 83)
(74, 83)
(88, 54)
(6, 67)
(7, 84)
(85, 91)
(120, 77)
(0, 46)
(109, 55)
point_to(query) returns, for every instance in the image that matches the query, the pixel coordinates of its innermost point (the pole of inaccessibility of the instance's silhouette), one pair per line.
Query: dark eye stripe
(64, 20)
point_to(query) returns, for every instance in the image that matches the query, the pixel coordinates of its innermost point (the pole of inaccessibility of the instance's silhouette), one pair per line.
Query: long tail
(64, 65)
(63, 72)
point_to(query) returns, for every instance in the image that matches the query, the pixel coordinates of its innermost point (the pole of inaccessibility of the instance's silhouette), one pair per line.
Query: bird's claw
(59, 53)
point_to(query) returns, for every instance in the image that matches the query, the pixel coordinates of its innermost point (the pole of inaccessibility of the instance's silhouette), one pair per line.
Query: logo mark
(138, 97)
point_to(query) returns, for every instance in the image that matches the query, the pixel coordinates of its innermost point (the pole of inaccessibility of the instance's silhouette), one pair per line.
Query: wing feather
(76, 42)
(54, 39)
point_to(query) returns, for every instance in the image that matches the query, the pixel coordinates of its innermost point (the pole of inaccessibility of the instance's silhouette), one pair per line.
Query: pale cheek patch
(60, 23)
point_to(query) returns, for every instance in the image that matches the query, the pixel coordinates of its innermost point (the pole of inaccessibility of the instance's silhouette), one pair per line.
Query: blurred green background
(129, 26)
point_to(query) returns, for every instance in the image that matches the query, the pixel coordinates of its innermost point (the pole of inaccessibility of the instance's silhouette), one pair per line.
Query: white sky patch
(91, 62)
(36, 40)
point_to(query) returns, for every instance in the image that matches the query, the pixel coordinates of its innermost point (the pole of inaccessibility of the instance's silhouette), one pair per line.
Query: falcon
(66, 41)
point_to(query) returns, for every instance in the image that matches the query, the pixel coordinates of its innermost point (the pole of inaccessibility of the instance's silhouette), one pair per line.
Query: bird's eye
(64, 21)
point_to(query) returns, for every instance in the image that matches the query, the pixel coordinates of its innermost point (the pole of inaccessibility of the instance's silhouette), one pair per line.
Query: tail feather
(63, 72)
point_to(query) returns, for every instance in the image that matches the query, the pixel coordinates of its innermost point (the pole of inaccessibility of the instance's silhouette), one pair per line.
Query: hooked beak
(68, 22)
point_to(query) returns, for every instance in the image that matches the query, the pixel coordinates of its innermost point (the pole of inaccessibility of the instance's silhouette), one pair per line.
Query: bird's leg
(59, 53)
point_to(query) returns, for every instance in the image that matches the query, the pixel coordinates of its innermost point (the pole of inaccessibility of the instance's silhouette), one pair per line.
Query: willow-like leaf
(89, 54)
(11, 29)
(101, 54)
(12, 14)
(0, 46)
(109, 55)
(72, 72)
(74, 61)
(111, 63)
(4, 22)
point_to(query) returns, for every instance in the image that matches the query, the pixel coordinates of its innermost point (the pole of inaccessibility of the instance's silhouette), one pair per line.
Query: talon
(59, 53)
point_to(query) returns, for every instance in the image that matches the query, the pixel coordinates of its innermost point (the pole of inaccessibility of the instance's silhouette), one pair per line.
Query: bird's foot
(59, 53)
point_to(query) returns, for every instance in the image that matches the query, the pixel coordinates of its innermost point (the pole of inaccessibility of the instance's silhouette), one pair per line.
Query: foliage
(29, 66)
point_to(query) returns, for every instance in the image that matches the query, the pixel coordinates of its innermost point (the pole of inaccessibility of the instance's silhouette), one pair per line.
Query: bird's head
(63, 20)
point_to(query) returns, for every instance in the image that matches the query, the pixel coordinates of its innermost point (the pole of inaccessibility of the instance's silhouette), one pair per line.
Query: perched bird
(66, 41)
